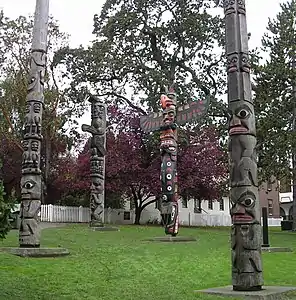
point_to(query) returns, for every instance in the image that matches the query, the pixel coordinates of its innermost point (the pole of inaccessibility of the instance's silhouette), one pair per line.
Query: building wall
(151, 213)
(269, 193)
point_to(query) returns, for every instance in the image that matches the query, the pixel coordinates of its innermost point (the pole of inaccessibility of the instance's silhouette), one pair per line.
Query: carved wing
(189, 112)
(192, 111)
(151, 122)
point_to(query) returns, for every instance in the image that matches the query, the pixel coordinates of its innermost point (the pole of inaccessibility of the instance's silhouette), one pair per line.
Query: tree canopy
(59, 123)
(274, 102)
(141, 46)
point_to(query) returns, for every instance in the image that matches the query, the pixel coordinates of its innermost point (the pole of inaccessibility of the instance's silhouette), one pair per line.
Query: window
(126, 215)
(132, 205)
(285, 185)
(270, 207)
(184, 203)
(210, 204)
(197, 206)
(221, 204)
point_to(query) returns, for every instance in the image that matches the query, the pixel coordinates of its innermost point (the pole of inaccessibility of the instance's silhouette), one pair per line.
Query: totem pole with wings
(167, 123)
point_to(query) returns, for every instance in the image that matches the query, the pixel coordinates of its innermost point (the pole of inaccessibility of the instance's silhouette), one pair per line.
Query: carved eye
(248, 202)
(244, 59)
(29, 184)
(243, 113)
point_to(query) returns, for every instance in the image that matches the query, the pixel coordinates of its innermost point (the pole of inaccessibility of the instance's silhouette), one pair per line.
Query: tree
(6, 204)
(142, 46)
(274, 103)
(59, 124)
(133, 162)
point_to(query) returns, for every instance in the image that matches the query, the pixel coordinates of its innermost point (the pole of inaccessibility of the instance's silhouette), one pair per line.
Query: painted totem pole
(168, 175)
(166, 122)
(31, 186)
(97, 160)
(245, 211)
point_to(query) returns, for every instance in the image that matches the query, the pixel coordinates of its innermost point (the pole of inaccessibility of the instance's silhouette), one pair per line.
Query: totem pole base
(276, 249)
(173, 239)
(104, 228)
(36, 252)
(267, 293)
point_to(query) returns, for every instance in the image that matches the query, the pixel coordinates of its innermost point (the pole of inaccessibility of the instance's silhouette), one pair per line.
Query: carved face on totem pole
(232, 63)
(31, 187)
(242, 118)
(245, 205)
(245, 65)
(229, 6)
(96, 186)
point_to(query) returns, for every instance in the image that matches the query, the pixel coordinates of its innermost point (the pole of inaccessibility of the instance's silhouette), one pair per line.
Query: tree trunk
(138, 212)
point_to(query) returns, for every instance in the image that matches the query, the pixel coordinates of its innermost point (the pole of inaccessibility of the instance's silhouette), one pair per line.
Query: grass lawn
(120, 265)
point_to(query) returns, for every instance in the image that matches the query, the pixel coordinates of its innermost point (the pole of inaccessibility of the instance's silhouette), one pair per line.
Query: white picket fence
(71, 214)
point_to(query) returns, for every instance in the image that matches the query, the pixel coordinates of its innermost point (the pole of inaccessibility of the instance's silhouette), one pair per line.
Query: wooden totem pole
(245, 210)
(166, 122)
(31, 186)
(97, 160)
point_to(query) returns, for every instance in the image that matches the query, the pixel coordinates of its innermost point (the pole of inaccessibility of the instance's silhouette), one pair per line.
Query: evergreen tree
(275, 103)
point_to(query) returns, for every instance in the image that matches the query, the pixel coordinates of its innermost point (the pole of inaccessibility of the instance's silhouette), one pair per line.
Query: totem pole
(97, 160)
(31, 187)
(166, 122)
(245, 210)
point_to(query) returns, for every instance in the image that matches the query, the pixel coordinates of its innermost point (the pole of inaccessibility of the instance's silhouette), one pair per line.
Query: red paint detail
(238, 130)
(239, 217)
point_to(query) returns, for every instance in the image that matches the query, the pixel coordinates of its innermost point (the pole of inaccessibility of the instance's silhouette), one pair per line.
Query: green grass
(120, 265)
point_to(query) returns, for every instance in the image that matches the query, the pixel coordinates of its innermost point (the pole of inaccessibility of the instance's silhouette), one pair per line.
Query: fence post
(50, 212)
(80, 214)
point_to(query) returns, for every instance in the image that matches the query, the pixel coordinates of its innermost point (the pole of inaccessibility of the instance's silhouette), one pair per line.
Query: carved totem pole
(166, 122)
(31, 187)
(245, 210)
(97, 160)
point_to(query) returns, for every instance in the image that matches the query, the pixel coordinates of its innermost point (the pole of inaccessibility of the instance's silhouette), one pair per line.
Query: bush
(286, 225)
(5, 209)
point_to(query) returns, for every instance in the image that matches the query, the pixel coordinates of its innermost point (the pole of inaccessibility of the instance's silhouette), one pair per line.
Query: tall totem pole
(245, 210)
(97, 160)
(168, 175)
(166, 122)
(31, 186)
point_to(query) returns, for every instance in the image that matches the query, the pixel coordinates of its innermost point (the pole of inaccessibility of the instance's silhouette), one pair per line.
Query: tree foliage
(133, 162)
(59, 124)
(274, 101)
(6, 204)
(142, 46)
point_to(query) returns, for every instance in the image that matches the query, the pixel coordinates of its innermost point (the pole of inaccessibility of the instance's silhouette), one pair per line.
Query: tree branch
(148, 203)
(129, 102)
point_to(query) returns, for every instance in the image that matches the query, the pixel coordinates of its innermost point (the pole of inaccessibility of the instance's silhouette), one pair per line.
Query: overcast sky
(76, 18)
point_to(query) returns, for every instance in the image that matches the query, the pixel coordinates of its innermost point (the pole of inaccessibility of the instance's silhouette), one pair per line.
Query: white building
(194, 213)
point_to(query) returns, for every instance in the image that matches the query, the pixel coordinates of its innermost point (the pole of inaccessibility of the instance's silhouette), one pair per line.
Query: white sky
(76, 18)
